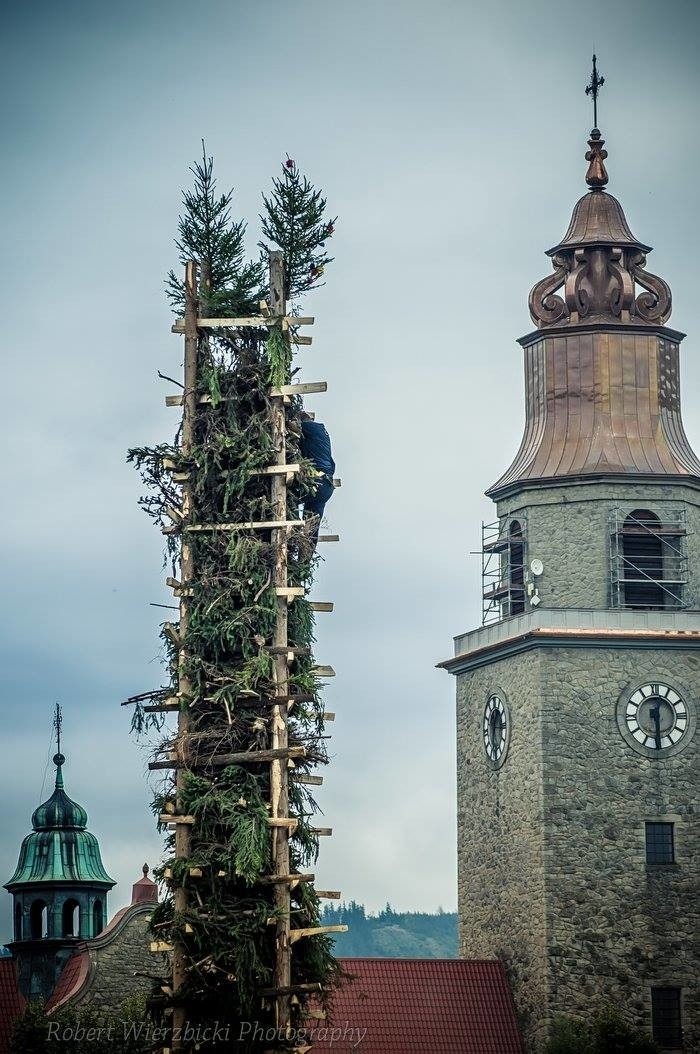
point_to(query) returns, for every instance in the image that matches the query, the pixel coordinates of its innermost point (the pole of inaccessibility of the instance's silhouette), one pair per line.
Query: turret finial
(58, 758)
(592, 88)
(597, 175)
(58, 725)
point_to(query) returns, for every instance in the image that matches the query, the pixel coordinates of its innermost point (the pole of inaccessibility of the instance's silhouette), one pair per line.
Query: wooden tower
(265, 727)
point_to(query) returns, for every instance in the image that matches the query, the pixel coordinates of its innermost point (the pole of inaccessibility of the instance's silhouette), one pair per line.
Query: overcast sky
(449, 138)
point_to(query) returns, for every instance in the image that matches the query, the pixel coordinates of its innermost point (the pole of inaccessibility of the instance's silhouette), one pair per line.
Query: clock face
(656, 716)
(496, 729)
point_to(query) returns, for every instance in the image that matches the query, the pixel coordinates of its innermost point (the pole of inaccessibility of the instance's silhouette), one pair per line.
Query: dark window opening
(38, 920)
(666, 1025)
(97, 920)
(643, 559)
(71, 919)
(516, 570)
(660, 844)
(18, 922)
(650, 563)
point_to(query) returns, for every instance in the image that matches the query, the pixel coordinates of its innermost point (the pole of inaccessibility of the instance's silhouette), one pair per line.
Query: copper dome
(598, 219)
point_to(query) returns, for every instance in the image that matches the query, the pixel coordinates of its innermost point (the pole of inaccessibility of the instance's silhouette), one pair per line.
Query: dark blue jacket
(316, 446)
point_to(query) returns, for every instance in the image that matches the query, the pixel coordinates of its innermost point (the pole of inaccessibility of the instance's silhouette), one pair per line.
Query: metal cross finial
(593, 88)
(58, 724)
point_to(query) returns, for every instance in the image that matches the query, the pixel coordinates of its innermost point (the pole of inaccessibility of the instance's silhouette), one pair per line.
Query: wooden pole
(279, 782)
(182, 831)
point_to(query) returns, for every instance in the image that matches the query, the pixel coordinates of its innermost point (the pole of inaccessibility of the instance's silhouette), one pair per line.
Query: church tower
(577, 698)
(59, 889)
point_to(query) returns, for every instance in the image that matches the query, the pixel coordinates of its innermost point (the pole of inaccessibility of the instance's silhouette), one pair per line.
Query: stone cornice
(665, 332)
(514, 636)
(497, 493)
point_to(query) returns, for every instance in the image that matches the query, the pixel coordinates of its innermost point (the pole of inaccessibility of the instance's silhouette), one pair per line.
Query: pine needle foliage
(293, 220)
(229, 285)
(228, 928)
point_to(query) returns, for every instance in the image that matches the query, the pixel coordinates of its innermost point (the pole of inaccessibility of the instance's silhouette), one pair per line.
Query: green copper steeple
(59, 849)
(59, 887)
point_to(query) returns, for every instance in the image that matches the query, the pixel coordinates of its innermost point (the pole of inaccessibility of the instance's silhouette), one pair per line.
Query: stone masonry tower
(577, 698)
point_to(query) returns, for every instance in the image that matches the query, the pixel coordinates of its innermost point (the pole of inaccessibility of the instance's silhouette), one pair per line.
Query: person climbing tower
(316, 446)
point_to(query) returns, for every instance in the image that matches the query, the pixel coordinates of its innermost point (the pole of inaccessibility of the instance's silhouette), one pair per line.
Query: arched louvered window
(516, 569)
(643, 560)
(38, 920)
(97, 918)
(70, 919)
(648, 561)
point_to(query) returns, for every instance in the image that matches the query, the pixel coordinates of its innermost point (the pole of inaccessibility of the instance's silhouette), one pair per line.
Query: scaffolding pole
(182, 831)
(279, 779)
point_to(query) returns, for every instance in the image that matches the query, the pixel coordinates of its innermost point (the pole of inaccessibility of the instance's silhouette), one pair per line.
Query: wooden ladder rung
(290, 592)
(313, 931)
(283, 821)
(310, 388)
(253, 525)
(323, 671)
(313, 986)
(246, 322)
(277, 470)
(254, 757)
(275, 880)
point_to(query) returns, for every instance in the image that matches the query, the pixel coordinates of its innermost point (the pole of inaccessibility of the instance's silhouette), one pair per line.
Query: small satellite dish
(537, 567)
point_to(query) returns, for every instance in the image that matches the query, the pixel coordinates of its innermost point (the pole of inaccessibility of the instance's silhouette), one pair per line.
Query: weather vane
(593, 88)
(57, 724)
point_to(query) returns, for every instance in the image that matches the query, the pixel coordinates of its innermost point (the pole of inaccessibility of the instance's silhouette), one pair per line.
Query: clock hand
(655, 715)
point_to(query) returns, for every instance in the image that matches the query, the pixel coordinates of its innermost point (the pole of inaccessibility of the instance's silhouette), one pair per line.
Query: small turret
(59, 889)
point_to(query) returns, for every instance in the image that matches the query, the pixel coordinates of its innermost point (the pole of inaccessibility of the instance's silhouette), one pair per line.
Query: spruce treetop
(208, 233)
(293, 221)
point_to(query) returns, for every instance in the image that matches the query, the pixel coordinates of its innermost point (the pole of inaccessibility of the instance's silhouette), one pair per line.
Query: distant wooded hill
(404, 935)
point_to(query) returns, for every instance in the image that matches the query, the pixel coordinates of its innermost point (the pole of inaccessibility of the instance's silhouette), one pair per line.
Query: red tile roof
(412, 1006)
(71, 978)
(76, 971)
(12, 1002)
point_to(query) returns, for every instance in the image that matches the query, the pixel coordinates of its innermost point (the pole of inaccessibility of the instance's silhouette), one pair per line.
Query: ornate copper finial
(58, 725)
(592, 88)
(597, 175)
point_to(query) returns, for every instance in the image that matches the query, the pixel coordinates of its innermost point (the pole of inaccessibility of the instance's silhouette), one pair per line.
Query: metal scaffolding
(648, 561)
(503, 569)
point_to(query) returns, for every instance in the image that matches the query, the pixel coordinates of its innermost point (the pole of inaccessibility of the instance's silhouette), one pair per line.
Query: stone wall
(552, 868)
(115, 957)
(615, 925)
(500, 835)
(567, 528)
